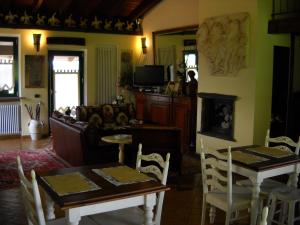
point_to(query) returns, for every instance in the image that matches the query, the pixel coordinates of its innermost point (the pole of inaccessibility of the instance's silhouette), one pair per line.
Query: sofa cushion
(96, 120)
(122, 119)
(107, 113)
(106, 116)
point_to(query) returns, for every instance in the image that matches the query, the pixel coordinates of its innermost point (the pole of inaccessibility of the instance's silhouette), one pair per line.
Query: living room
(252, 84)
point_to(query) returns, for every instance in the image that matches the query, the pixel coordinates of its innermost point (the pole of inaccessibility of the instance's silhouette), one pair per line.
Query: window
(8, 67)
(191, 62)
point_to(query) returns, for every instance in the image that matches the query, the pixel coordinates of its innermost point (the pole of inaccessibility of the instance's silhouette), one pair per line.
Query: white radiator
(106, 69)
(10, 119)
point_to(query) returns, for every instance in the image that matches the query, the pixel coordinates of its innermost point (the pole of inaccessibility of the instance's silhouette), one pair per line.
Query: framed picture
(34, 71)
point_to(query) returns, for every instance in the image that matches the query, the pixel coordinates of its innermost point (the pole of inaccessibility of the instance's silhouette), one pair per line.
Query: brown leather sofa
(79, 142)
(71, 143)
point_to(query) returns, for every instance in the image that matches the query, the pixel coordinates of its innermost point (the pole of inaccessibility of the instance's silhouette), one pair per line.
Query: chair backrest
(216, 171)
(160, 173)
(167, 139)
(286, 144)
(289, 144)
(31, 197)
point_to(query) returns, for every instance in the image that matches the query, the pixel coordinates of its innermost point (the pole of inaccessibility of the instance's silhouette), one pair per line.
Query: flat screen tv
(149, 76)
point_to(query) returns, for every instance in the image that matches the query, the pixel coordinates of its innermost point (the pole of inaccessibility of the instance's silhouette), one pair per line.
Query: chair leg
(291, 210)
(272, 204)
(203, 211)
(283, 213)
(228, 217)
(212, 214)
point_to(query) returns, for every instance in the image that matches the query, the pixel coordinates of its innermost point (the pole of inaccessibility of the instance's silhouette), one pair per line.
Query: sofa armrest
(68, 141)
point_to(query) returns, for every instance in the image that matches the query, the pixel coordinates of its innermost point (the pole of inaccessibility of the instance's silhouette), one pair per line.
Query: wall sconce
(37, 41)
(144, 47)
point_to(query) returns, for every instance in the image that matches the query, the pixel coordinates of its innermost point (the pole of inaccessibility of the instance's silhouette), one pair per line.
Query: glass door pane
(8, 67)
(66, 90)
(66, 80)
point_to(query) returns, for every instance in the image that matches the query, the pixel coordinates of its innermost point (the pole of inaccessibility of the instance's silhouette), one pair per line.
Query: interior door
(280, 91)
(65, 80)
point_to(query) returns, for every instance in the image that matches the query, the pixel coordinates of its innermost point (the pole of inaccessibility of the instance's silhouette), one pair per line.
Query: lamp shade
(144, 47)
(37, 41)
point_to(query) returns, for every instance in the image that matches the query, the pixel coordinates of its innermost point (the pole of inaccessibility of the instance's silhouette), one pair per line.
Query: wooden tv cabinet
(178, 111)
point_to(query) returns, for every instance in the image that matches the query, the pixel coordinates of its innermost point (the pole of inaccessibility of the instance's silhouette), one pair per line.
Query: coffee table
(120, 139)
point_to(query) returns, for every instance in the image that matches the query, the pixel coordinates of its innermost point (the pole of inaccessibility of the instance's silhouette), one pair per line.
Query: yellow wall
(264, 71)
(92, 41)
(252, 85)
(169, 14)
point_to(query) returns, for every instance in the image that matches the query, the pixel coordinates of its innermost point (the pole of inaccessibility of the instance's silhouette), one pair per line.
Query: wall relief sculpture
(223, 41)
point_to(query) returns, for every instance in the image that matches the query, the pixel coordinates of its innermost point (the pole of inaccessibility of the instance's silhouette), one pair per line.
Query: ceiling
(127, 9)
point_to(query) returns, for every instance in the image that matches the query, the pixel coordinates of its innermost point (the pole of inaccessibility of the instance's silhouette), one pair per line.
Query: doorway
(286, 90)
(66, 80)
(280, 91)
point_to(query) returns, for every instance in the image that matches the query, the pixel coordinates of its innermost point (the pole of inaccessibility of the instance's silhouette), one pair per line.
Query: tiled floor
(182, 205)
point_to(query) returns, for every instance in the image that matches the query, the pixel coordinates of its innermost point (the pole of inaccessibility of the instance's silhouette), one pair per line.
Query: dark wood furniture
(109, 197)
(156, 139)
(178, 111)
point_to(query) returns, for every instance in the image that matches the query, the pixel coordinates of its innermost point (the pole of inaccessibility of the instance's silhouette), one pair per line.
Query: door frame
(51, 54)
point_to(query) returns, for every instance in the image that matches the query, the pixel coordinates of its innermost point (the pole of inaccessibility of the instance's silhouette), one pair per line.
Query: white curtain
(106, 69)
(167, 56)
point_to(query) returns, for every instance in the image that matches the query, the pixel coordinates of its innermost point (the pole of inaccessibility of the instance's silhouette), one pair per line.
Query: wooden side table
(120, 139)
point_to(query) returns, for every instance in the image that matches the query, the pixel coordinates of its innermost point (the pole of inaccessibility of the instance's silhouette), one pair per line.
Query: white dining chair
(284, 143)
(135, 215)
(288, 198)
(268, 185)
(33, 204)
(218, 190)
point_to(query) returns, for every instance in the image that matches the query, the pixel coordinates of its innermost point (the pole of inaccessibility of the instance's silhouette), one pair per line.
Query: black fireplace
(217, 117)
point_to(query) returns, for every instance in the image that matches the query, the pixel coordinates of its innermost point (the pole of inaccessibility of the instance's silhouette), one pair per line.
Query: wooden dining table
(268, 166)
(105, 196)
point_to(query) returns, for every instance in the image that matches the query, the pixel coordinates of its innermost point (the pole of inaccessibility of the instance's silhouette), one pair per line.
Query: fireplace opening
(217, 117)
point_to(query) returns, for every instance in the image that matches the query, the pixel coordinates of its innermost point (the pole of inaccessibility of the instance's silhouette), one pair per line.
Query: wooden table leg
(148, 207)
(73, 216)
(121, 153)
(255, 201)
(50, 215)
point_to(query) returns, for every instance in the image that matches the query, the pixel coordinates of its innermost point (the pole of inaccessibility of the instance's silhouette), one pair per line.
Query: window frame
(15, 41)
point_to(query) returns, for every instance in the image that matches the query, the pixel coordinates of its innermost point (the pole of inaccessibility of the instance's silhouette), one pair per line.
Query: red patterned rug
(39, 160)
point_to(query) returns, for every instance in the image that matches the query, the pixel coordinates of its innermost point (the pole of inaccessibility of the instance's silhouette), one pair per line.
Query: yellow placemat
(70, 183)
(246, 157)
(122, 175)
(274, 152)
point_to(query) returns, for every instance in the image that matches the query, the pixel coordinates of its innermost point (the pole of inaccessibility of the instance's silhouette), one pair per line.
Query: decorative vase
(35, 128)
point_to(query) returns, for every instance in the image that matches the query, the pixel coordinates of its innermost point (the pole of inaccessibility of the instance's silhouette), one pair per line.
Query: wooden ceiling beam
(36, 5)
(117, 7)
(65, 5)
(143, 8)
(129, 9)
(89, 9)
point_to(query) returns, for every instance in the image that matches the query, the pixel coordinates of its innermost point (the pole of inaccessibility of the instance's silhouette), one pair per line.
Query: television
(149, 76)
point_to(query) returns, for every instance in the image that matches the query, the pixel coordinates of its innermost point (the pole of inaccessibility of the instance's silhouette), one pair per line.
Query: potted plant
(35, 126)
